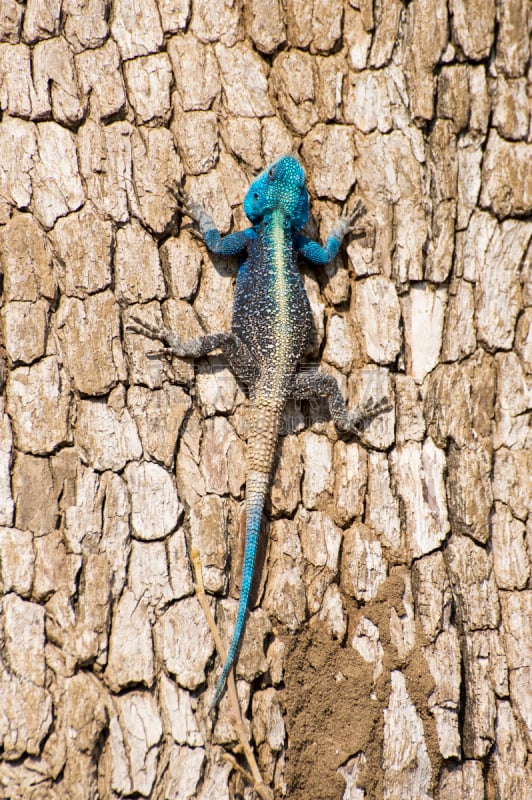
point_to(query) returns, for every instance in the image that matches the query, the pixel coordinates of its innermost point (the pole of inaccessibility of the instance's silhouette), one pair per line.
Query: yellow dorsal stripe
(282, 295)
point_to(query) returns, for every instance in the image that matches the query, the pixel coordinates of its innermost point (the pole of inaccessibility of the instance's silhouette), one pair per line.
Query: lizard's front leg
(319, 384)
(230, 245)
(318, 255)
(231, 346)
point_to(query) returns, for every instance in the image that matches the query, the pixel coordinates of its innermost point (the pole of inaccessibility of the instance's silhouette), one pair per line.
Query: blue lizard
(271, 329)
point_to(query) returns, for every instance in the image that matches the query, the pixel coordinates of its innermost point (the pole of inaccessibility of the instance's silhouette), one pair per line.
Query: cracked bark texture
(388, 653)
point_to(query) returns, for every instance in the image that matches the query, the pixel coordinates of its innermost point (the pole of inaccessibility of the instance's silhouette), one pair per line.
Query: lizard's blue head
(281, 186)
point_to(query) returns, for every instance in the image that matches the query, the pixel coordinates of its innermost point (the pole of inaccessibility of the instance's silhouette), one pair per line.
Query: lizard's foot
(356, 420)
(186, 205)
(349, 218)
(175, 345)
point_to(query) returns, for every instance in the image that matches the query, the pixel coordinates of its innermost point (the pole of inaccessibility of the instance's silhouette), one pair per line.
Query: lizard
(271, 329)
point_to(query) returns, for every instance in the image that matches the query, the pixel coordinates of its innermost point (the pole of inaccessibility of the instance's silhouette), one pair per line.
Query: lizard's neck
(277, 239)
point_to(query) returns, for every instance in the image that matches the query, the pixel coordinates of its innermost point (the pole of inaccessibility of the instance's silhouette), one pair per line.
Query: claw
(352, 216)
(185, 204)
(174, 345)
(164, 351)
(138, 325)
(372, 408)
(196, 235)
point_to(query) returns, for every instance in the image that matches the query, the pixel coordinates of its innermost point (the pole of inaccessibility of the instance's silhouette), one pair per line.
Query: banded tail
(264, 419)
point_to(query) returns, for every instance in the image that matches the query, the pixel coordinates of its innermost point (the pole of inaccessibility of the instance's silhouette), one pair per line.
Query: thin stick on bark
(255, 779)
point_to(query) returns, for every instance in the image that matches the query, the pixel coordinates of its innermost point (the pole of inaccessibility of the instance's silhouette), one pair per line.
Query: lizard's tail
(256, 488)
(264, 428)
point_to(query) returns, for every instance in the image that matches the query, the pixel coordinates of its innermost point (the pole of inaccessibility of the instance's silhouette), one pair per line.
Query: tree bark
(389, 652)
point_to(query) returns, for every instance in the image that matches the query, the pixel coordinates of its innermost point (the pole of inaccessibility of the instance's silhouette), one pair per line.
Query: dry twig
(255, 778)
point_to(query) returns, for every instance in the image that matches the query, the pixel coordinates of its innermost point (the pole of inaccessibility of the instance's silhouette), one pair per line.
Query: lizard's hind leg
(231, 346)
(318, 384)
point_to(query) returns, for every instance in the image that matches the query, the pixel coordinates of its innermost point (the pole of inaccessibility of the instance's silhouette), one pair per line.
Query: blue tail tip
(214, 702)
(221, 685)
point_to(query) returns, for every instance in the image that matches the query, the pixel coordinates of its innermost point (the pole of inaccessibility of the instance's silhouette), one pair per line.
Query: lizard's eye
(255, 197)
(271, 173)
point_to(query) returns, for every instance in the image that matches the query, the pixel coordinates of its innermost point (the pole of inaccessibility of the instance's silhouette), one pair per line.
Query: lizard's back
(272, 313)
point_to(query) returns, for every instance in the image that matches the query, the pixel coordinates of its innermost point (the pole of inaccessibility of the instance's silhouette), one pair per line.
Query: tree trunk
(388, 653)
